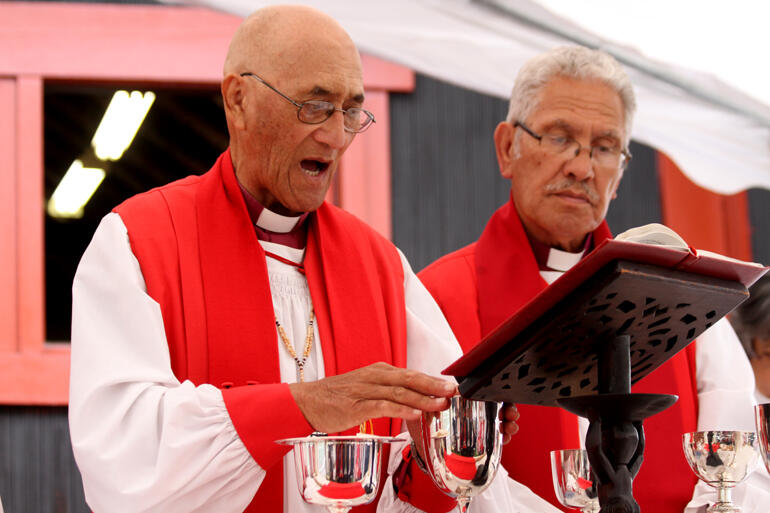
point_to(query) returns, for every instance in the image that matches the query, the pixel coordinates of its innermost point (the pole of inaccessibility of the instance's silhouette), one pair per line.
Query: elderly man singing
(222, 312)
(564, 147)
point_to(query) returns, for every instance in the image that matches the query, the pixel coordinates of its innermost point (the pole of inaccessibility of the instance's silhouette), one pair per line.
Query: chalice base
(723, 507)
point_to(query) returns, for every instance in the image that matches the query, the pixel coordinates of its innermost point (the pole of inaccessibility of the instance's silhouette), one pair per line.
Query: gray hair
(752, 319)
(576, 62)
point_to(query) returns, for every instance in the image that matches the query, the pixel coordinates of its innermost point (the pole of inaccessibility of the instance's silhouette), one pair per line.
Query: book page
(655, 234)
(704, 253)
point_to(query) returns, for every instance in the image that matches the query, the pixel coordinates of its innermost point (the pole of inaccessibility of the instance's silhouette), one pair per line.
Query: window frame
(109, 43)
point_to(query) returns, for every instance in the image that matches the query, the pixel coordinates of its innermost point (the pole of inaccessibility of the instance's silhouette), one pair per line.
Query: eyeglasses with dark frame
(314, 112)
(602, 155)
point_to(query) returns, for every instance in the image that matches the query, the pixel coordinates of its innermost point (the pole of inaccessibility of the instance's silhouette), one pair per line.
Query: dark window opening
(183, 133)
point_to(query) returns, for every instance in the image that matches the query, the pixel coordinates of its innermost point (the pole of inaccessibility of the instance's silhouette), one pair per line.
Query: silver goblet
(338, 472)
(462, 446)
(762, 416)
(573, 480)
(722, 459)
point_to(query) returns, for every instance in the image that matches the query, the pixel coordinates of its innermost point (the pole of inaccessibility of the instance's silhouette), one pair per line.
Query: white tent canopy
(717, 135)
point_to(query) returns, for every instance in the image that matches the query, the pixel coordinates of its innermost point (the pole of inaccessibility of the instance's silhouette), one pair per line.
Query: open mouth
(314, 167)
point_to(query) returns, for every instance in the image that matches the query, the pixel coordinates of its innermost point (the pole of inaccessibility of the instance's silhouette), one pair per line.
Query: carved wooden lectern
(604, 325)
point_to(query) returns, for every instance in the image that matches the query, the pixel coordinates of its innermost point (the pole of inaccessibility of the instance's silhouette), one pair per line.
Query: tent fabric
(718, 136)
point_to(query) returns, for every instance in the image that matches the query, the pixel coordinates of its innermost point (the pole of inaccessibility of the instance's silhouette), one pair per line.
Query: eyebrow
(609, 133)
(320, 91)
(560, 123)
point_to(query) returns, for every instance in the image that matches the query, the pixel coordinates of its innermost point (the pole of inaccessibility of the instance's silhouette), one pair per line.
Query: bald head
(274, 39)
(290, 55)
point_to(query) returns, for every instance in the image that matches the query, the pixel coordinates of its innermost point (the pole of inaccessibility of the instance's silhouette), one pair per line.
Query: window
(183, 133)
(176, 52)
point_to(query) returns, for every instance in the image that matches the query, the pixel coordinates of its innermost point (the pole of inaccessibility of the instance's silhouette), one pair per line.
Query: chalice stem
(724, 495)
(724, 503)
(463, 503)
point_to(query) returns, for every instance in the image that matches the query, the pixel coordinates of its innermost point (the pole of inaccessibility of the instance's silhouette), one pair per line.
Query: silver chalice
(338, 472)
(462, 446)
(573, 480)
(721, 459)
(762, 417)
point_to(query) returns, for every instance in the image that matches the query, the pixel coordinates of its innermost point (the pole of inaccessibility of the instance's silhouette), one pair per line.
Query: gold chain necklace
(290, 348)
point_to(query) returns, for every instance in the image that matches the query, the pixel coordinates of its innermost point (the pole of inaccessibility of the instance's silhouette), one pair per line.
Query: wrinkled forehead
(287, 42)
(325, 62)
(580, 103)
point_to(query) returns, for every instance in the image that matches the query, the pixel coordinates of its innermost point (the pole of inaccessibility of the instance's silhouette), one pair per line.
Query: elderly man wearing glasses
(564, 147)
(222, 312)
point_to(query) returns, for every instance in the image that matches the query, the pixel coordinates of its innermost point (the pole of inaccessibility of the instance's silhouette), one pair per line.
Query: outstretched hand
(340, 402)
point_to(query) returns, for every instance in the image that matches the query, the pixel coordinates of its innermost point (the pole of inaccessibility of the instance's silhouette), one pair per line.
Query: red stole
(496, 277)
(202, 262)
(508, 277)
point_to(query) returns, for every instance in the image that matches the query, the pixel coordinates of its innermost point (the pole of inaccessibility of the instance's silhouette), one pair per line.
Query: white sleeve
(431, 347)
(726, 403)
(430, 344)
(725, 381)
(142, 440)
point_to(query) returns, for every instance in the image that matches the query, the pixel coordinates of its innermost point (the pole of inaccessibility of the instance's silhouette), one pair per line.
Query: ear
(504, 147)
(234, 97)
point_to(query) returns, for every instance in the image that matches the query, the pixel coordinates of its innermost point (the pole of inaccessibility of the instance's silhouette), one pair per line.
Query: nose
(332, 132)
(580, 165)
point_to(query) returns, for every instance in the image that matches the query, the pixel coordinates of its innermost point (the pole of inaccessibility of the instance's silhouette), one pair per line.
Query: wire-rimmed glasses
(314, 112)
(605, 156)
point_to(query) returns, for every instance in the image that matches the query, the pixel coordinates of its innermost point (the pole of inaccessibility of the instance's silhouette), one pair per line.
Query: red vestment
(203, 264)
(479, 286)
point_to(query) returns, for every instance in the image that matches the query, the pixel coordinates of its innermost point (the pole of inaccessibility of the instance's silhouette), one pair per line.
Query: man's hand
(340, 402)
(508, 417)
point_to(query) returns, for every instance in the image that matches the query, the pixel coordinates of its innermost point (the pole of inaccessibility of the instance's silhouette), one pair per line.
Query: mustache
(572, 184)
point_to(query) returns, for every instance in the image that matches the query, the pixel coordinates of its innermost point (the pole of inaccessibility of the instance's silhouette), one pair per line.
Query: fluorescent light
(121, 120)
(75, 189)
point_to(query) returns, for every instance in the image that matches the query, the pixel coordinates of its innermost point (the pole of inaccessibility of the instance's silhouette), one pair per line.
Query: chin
(309, 206)
(573, 229)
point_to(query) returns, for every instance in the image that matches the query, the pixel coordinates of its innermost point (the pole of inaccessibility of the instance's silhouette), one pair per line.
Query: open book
(656, 234)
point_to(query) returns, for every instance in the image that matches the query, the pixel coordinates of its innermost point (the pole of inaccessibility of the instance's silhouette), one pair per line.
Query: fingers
(340, 402)
(508, 416)
(508, 412)
(406, 397)
(423, 384)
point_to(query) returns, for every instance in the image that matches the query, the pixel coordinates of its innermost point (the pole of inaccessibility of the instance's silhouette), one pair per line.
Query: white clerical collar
(559, 260)
(270, 221)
